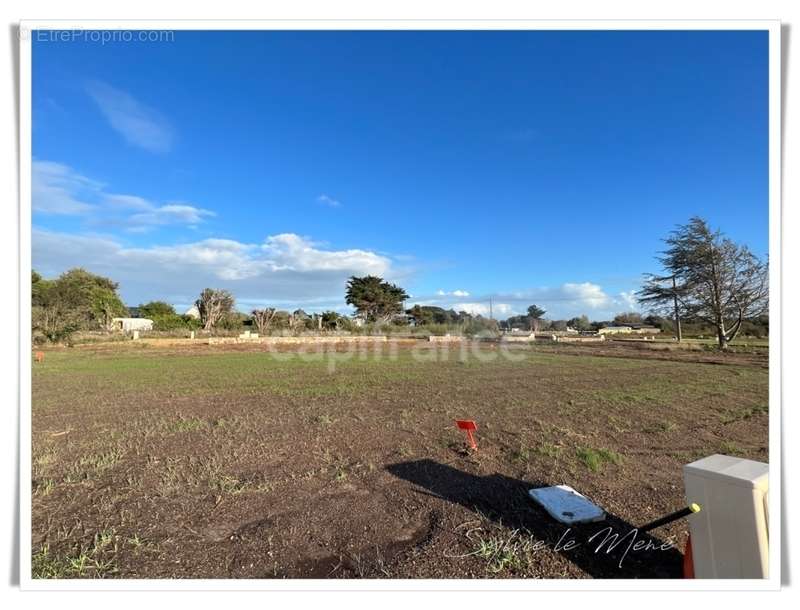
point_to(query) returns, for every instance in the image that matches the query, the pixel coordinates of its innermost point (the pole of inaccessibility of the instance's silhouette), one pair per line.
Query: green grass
(733, 415)
(98, 560)
(730, 448)
(87, 373)
(504, 551)
(542, 449)
(659, 426)
(186, 424)
(100, 461)
(324, 420)
(45, 458)
(44, 487)
(227, 484)
(596, 459)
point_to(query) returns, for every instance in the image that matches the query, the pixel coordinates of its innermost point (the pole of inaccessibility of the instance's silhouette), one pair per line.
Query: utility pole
(490, 309)
(677, 315)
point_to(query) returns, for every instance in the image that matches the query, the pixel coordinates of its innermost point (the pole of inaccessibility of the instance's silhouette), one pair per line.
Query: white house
(131, 324)
(193, 312)
(614, 330)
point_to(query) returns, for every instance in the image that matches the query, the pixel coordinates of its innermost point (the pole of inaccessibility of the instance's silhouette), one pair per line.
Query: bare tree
(213, 305)
(263, 318)
(715, 280)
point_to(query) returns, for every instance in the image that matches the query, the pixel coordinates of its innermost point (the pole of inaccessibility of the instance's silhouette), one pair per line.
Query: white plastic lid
(732, 470)
(566, 505)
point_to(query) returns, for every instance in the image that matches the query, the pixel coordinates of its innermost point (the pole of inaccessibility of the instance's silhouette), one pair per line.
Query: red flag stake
(467, 425)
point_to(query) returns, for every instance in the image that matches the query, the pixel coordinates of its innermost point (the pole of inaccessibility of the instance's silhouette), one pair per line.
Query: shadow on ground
(505, 501)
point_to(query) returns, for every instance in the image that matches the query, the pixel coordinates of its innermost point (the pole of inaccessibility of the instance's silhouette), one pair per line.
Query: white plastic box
(730, 535)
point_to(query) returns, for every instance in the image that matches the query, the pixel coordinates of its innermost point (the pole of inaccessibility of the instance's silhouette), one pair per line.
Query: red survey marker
(468, 426)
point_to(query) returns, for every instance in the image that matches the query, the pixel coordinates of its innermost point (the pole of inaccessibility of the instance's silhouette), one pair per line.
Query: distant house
(403, 319)
(635, 329)
(646, 330)
(131, 324)
(614, 330)
(193, 312)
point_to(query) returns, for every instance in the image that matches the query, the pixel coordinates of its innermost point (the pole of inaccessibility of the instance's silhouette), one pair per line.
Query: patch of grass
(97, 561)
(544, 449)
(549, 450)
(730, 448)
(43, 487)
(659, 426)
(523, 455)
(595, 459)
(187, 424)
(512, 552)
(100, 461)
(46, 565)
(733, 415)
(324, 420)
(74, 475)
(227, 484)
(45, 458)
(104, 538)
(405, 451)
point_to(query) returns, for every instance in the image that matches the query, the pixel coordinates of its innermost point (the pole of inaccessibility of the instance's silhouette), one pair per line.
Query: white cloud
(169, 214)
(291, 252)
(139, 124)
(286, 270)
(131, 202)
(498, 310)
(629, 300)
(454, 293)
(58, 189)
(560, 302)
(588, 294)
(329, 201)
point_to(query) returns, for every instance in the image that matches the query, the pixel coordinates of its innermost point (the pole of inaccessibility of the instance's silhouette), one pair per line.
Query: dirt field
(234, 462)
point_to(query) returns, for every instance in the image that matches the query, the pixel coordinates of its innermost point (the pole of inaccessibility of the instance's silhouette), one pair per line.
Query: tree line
(708, 284)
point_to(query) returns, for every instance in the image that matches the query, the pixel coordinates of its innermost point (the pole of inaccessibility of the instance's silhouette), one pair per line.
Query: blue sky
(530, 166)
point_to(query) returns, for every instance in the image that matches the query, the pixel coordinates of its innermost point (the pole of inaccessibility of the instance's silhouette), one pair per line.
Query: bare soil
(235, 462)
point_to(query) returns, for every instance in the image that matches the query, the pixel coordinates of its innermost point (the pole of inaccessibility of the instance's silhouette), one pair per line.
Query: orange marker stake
(468, 426)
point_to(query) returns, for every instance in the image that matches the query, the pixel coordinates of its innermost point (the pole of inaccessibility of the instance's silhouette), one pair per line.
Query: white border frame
(773, 27)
